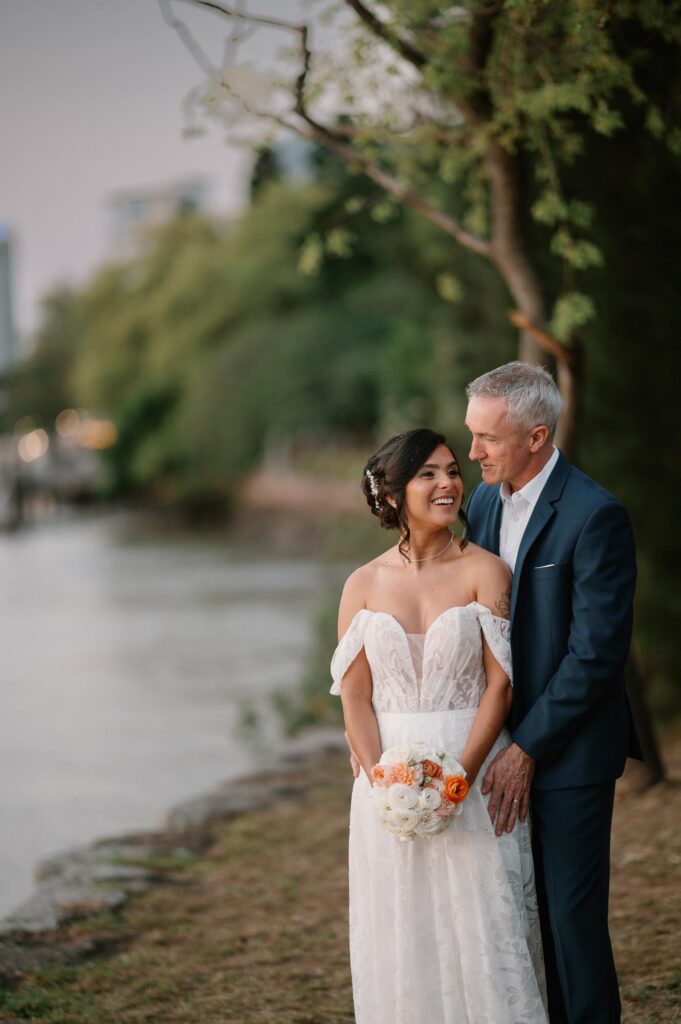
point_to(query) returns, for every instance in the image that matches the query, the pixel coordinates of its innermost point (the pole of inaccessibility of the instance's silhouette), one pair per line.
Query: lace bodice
(452, 673)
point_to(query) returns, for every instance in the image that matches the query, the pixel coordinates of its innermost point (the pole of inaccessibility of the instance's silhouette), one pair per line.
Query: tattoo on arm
(503, 605)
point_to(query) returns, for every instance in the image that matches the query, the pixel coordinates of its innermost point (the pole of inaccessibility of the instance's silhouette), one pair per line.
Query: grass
(253, 929)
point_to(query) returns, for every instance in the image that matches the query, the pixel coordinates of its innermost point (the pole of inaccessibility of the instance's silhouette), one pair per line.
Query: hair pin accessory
(373, 487)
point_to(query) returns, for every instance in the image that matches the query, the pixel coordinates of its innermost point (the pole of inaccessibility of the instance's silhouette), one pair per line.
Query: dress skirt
(443, 929)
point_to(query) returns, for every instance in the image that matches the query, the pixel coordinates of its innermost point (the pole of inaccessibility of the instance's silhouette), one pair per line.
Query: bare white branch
(179, 26)
(307, 126)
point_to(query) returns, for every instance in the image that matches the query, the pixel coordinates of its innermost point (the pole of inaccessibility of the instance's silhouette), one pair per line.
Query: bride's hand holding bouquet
(417, 790)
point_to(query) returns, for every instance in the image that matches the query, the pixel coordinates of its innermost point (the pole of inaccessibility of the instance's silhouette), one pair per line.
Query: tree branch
(508, 250)
(548, 342)
(197, 52)
(353, 157)
(301, 80)
(334, 141)
(380, 133)
(253, 19)
(384, 32)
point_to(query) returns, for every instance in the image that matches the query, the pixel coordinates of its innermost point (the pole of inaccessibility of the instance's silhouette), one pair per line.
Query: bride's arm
(361, 726)
(493, 590)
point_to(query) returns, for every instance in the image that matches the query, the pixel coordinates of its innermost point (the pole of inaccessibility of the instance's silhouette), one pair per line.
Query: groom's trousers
(571, 846)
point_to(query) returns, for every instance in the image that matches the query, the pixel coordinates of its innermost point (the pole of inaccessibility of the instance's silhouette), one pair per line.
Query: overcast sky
(91, 98)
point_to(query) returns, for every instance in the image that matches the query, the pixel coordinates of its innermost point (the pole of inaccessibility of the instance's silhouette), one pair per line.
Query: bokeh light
(98, 434)
(33, 445)
(67, 422)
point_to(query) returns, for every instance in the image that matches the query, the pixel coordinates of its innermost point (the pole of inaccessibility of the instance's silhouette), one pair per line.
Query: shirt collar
(529, 494)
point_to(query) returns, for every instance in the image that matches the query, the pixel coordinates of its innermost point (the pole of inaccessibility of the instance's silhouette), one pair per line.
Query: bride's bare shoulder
(485, 565)
(491, 579)
(360, 584)
(363, 578)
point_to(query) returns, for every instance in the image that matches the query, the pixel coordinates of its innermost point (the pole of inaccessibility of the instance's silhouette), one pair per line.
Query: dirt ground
(253, 929)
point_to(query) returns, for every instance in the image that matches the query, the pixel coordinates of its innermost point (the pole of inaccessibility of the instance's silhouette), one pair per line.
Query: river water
(126, 665)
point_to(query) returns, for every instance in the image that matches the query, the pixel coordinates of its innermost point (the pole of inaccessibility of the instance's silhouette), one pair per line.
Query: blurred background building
(136, 212)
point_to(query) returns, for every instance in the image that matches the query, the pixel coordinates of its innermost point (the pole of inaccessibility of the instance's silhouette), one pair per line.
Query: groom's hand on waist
(508, 779)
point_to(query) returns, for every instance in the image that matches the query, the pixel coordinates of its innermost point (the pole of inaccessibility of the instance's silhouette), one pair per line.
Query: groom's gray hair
(530, 392)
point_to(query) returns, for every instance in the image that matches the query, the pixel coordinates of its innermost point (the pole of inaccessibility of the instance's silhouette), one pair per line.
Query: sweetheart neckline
(481, 611)
(452, 608)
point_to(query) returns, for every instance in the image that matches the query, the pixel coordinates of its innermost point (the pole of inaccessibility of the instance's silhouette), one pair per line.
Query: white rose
(421, 751)
(404, 821)
(429, 799)
(452, 767)
(379, 798)
(401, 797)
(395, 755)
(430, 824)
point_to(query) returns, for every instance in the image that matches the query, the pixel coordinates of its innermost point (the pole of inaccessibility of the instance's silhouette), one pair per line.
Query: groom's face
(502, 450)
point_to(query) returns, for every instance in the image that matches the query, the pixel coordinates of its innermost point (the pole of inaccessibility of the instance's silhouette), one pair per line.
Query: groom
(570, 547)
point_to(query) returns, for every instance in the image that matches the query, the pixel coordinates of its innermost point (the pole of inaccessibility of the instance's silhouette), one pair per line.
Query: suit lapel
(494, 525)
(542, 514)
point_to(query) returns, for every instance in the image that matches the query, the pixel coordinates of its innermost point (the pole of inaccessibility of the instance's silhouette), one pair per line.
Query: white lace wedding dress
(443, 930)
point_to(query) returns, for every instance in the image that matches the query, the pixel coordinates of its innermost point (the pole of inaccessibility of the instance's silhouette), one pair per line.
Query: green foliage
(339, 242)
(578, 252)
(549, 208)
(537, 80)
(211, 347)
(311, 255)
(310, 704)
(137, 458)
(571, 312)
(449, 287)
(41, 386)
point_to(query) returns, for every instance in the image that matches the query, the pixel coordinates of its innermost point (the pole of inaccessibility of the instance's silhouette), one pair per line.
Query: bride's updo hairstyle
(388, 472)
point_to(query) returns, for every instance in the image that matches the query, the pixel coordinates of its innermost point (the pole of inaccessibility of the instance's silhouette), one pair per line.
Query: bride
(443, 929)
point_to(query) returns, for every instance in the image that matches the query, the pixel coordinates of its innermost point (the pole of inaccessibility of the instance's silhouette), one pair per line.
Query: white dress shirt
(516, 509)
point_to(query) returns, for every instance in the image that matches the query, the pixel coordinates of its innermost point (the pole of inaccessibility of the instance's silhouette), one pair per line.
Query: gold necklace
(437, 554)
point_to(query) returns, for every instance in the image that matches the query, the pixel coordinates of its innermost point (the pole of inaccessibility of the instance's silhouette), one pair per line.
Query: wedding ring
(516, 801)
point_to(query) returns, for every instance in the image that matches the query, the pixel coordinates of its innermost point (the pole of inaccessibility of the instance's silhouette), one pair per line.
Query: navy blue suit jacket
(571, 618)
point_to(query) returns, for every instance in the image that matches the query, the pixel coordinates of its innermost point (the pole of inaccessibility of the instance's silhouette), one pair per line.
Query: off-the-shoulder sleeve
(350, 645)
(497, 633)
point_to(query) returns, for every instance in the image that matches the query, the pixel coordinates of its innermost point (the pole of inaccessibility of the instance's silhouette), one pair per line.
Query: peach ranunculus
(456, 788)
(378, 775)
(408, 775)
(446, 809)
(431, 768)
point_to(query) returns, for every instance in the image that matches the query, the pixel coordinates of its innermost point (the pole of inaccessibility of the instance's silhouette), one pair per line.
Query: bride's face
(433, 496)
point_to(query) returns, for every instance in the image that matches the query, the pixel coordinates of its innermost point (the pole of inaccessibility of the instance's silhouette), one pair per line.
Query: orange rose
(432, 769)
(405, 774)
(456, 788)
(378, 774)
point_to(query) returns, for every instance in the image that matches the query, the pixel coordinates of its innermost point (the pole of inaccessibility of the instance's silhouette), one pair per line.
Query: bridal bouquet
(417, 791)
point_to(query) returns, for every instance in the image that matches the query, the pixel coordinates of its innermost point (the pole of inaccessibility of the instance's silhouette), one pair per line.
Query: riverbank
(159, 654)
(248, 923)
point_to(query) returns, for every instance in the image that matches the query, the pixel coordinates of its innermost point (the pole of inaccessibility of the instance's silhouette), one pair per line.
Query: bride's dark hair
(388, 472)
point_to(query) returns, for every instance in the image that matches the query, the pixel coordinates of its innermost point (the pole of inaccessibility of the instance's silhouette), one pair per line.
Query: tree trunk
(643, 722)
(509, 255)
(571, 384)
(507, 246)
